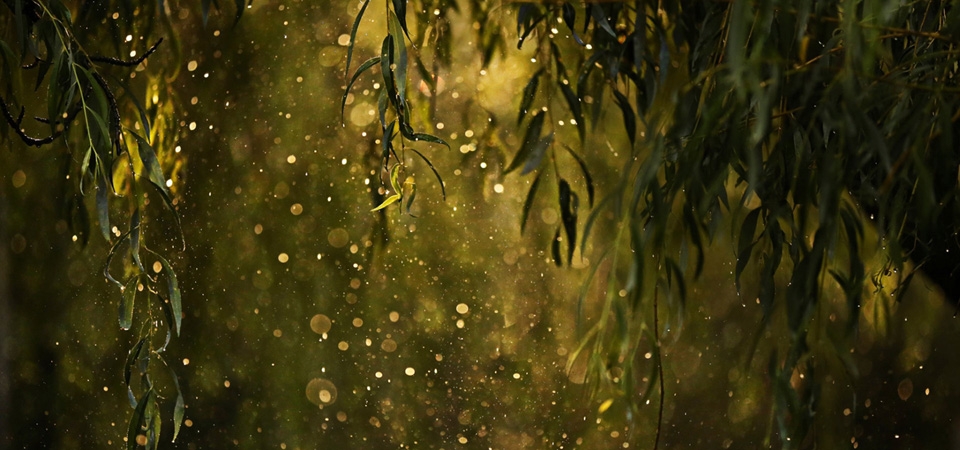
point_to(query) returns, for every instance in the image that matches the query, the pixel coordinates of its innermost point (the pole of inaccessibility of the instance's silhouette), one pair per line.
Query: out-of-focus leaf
(555, 249)
(528, 202)
(353, 41)
(240, 5)
(574, 102)
(629, 118)
(205, 10)
(583, 169)
(570, 18)
(137, 421)
(527, 24)
(529, 141)
(529, 93)
(536, 154)
(569, 203)
(600, 16)
(745, 243)
(413, 195)
(363, 67)
(443, 189)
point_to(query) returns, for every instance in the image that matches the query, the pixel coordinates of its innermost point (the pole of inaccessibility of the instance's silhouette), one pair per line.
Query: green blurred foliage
(310, 321)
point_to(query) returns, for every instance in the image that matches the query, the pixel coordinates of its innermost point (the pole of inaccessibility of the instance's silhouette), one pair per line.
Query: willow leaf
(363, 67)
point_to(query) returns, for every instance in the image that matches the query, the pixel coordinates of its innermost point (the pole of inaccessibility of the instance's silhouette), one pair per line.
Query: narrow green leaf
(400, 50)
(152, 166)
(386, 142)
(400, 8)
(574, 102)
(412, 197)
(363, 67)
(103, 208)
(443, 189)
(629, 118)
(395, 179)
(353, 41)
(583, 169)
(389, 201)
(173, 290)
(135, 238)
(555, 249)
(179, 409)
(569, 203)
(138, 419)
(127, 302)
(528, 202)
(428, 138)
(152, 418)
(132, 358)
(529, 93)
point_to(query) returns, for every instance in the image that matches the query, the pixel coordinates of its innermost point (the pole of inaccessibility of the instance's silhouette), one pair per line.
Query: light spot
(462, 308)
(410, 371)
(320, 324)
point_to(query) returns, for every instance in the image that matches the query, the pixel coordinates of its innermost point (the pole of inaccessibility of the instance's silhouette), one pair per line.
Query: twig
(123, 63)
(15, 124)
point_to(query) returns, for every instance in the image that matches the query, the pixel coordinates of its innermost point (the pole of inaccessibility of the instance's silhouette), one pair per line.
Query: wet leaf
(132, 358)
(363, 67)
(138, 420)
(443, 189)
(400, 50)
(127, 302)
(103, 208)
(173, 290)
(353, 41)
(574, 102)
(135, 238)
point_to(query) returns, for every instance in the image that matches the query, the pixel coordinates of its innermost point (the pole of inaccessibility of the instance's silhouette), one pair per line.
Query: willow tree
(817, 135)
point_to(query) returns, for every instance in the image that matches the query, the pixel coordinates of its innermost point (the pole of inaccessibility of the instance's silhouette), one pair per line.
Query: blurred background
(311, 322)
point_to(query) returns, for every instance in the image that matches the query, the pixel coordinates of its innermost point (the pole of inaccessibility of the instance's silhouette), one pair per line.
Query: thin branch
(15, 124)
(123, 63)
